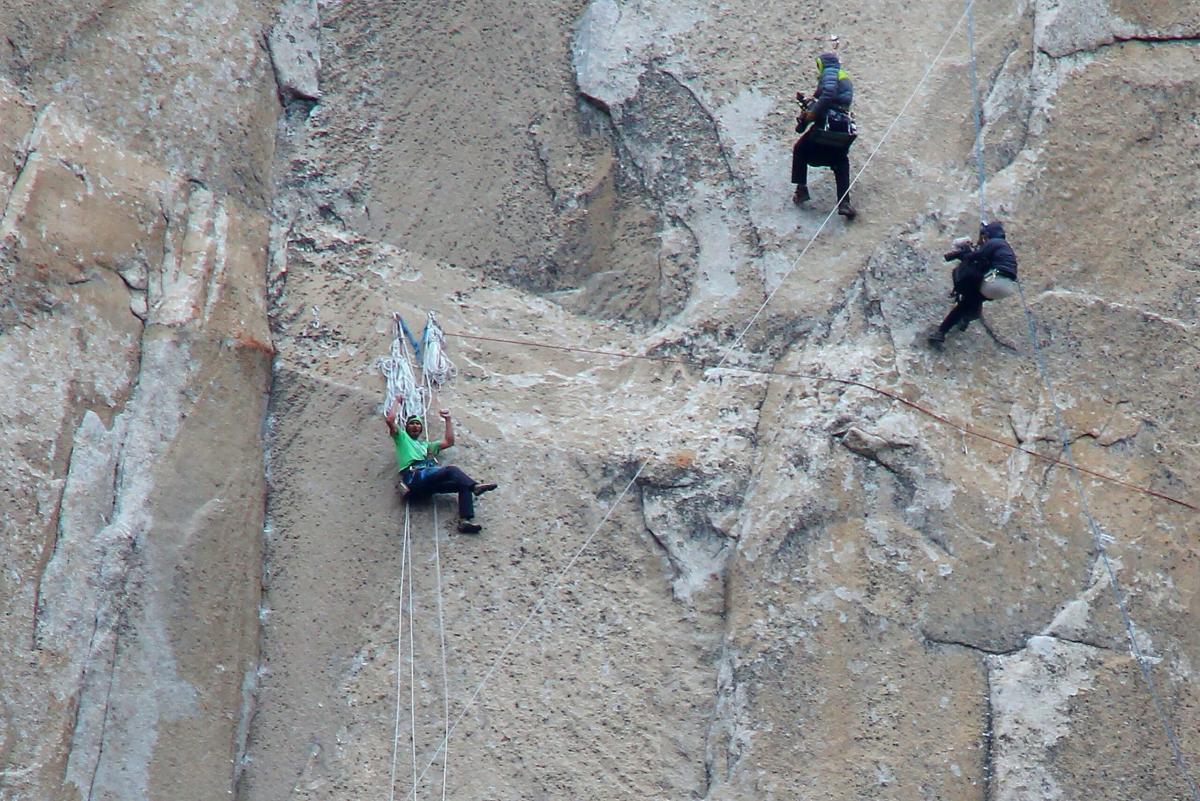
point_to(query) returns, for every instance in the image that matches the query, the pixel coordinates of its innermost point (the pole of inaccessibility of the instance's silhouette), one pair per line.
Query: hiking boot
(801, 195)
(467, 527)
(937, 336)
(481, 487)
(846, 210)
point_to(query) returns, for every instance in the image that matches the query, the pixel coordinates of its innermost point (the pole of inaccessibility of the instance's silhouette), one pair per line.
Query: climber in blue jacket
(829, 109)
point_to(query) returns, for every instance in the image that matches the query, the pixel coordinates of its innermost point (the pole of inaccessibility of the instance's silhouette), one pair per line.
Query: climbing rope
(1100, 540)
(400, 658)
(961, 428)
(436, 367)
(977, 109)
(537, 608)
(416, 397)
(437, 565)
(412, 655)
(397, 368)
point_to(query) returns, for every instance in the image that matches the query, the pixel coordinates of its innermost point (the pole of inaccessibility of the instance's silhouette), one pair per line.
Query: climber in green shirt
(416, 459)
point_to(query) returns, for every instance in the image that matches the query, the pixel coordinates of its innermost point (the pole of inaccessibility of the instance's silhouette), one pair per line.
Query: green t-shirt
(409, 450)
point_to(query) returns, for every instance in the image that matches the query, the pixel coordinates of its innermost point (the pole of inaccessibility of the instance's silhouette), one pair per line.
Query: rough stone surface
(136, 359)
(867, 575)
(295, 42)
(187, 84)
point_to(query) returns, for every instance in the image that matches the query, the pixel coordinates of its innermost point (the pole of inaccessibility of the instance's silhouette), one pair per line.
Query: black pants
(806, 154)
(968, 278)
(429, 482)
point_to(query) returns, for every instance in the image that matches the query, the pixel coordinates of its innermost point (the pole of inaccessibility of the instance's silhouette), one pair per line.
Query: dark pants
(806, 154)
(968, 278)
(426, 483)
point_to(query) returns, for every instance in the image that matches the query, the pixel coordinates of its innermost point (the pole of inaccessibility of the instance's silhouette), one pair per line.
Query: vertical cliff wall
(711, 573)
(136, 360)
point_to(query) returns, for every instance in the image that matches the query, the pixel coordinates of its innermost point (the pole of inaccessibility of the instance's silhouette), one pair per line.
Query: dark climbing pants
(805, 154)
(968, 278)
(428, 482)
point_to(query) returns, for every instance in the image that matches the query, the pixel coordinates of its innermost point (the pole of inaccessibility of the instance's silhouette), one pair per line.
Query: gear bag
(997, 286)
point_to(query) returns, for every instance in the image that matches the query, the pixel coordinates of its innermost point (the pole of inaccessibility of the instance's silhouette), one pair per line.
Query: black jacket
(995, 253)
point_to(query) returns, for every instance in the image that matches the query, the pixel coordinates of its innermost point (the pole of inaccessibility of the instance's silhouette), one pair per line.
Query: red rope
(965, 429)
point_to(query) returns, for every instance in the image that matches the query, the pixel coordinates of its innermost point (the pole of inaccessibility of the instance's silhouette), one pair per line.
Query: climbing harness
(1100, 540)
(838, 131)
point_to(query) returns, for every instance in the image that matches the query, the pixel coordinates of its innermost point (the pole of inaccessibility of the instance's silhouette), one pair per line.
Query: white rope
(537, 608)
(415, 399)
(397, 368)
(728, 350)
(437, 563)
(399, 655)
(435, 365)
(412, 662)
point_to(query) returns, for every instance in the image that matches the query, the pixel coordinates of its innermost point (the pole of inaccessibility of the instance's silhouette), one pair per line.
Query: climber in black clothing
(828, 111)
(985, 272)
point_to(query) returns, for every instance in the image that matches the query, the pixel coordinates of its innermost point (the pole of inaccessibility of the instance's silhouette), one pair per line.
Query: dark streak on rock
(1118, 40)
(989, 737)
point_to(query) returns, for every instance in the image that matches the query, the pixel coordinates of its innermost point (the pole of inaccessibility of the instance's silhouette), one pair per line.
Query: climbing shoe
(846, 210)
(481, 487)
(467, 527)
(801, 195)
(936, 337)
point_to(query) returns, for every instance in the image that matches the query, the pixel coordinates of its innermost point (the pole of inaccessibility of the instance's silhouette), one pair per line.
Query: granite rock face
(295, 42)
(136, 358)
(787, 552)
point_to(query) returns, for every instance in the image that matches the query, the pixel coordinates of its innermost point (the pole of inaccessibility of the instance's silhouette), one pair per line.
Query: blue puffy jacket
(834, 89)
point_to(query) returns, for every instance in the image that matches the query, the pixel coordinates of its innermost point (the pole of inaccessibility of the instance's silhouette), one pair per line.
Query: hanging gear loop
(435, 365)
(397, 368)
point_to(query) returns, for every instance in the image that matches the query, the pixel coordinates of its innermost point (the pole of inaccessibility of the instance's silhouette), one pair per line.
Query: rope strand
(399, 656)
(412, 660)
(437, 563)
